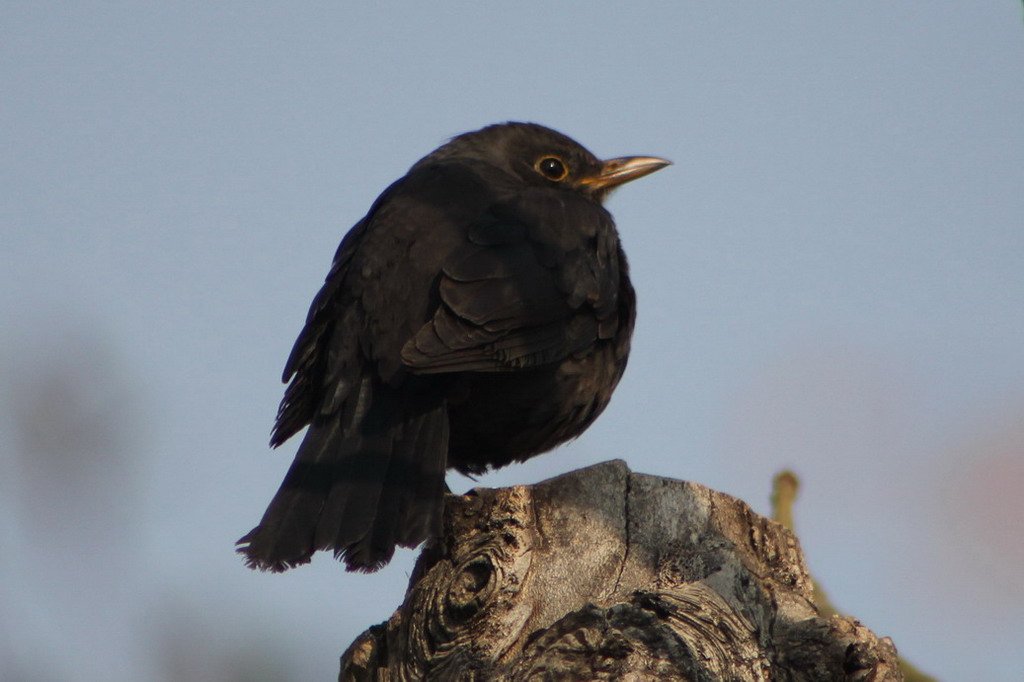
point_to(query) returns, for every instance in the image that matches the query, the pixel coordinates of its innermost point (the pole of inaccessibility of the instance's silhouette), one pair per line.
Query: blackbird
(479, 314)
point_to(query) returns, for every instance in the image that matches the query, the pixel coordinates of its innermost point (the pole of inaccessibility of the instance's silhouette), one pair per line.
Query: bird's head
(544, 157)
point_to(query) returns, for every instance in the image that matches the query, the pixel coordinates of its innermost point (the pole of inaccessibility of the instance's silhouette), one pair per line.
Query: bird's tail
(358, 491)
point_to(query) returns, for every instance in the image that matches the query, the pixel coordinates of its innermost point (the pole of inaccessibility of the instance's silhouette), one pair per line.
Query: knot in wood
(470, 588)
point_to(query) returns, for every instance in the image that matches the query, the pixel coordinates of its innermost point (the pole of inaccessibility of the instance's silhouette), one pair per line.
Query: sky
(830, 279)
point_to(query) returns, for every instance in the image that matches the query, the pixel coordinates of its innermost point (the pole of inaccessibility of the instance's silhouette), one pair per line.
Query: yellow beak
(615, 172)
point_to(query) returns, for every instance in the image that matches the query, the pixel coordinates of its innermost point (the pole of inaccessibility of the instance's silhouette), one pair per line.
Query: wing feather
(518, 295)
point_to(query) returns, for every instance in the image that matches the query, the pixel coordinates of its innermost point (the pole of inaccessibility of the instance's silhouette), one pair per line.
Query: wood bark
(604, 574)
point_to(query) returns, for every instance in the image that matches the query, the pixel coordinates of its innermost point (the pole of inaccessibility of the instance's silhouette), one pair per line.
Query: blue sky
(829, 279)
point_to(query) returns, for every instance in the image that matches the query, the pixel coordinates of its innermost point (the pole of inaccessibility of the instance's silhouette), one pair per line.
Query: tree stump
(603, 574)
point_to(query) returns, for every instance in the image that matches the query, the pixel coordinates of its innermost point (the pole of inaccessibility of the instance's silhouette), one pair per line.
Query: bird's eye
(552, 168)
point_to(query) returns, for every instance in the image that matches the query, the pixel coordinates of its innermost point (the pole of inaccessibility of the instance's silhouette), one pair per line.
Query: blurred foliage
(74, 441)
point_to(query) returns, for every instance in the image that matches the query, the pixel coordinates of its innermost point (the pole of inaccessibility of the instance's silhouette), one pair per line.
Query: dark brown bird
(479, 314)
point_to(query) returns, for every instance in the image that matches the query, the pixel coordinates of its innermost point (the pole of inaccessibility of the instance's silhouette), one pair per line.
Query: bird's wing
(534, 280)
(309, 368)
(380, 290)
(449, 272)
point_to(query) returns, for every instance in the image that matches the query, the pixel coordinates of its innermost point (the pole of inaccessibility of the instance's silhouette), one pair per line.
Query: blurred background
(830, 278)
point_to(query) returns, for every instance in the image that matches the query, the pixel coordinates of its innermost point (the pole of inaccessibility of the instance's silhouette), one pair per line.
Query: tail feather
(428, 485)
(400, 503)
(284, 537)
(351, 506)
(358, 492)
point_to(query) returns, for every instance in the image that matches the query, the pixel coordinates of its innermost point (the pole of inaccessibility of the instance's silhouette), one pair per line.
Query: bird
(478, 315)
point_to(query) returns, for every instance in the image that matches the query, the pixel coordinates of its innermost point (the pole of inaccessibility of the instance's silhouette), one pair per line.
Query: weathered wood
(603, 574)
